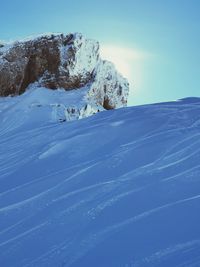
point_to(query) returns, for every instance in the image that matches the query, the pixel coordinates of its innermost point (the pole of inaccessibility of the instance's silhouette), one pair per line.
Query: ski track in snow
(156, 258)
(70, 189)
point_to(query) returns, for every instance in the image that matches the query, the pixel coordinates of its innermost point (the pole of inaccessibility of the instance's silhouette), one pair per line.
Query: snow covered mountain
(68, 62)
(117, 189)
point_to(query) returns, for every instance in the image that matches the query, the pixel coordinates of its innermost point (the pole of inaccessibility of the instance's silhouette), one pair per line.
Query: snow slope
(117, 189)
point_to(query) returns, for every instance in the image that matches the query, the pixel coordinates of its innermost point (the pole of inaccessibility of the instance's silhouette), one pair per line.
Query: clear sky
(155, 43)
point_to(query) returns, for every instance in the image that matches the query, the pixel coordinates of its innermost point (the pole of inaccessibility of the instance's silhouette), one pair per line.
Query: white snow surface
(120, 188)
(40, 103)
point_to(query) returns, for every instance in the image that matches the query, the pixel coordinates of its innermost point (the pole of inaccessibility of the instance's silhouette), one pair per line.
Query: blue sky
(153, 42)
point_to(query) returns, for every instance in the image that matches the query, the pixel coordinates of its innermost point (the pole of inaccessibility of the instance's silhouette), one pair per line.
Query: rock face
(62, 61)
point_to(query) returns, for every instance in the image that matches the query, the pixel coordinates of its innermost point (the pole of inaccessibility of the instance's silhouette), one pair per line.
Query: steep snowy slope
(118, 189)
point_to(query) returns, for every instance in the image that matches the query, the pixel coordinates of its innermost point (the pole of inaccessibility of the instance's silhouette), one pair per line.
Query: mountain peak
(62, 61)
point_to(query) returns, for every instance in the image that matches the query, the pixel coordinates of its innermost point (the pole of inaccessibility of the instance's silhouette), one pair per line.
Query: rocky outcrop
(61, 61)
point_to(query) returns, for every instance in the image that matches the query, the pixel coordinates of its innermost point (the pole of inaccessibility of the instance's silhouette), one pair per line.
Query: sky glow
(155, 44)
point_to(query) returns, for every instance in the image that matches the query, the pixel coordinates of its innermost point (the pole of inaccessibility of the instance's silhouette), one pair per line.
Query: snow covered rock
(63, 62)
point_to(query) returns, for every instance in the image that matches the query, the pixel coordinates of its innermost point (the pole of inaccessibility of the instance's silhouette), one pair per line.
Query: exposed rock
(61, 61)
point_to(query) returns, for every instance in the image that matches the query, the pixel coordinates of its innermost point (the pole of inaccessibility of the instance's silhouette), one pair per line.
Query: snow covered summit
(67, 62)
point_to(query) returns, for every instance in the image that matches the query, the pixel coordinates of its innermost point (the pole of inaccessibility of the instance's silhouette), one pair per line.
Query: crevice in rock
(106, 104)
(29, 74)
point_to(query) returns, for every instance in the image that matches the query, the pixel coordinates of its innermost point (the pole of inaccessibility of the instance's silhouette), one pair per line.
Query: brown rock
(39, 59)
(62, 61)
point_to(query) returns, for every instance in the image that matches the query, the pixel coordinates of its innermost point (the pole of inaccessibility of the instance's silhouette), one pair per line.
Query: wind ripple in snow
(117, 189)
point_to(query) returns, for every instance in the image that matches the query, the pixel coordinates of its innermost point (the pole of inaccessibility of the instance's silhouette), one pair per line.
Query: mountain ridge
(63, 61)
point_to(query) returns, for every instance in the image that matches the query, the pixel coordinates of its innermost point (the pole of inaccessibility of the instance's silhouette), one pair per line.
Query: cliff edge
(67, 62)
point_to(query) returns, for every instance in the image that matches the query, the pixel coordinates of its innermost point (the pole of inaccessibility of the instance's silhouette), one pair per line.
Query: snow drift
(120, 188)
